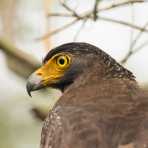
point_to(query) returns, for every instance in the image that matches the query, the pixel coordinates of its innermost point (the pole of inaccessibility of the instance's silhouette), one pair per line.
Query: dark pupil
(62, 61)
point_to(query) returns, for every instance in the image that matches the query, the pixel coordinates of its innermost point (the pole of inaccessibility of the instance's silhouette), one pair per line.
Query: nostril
(39, 73)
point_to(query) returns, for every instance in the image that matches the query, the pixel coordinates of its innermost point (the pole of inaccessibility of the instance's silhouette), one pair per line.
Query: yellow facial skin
(54, 68)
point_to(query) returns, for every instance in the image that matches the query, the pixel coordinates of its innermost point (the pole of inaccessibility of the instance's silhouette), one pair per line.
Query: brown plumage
(102, 105)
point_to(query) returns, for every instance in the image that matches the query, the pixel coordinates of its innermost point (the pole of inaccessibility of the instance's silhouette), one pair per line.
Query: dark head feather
(114, 69)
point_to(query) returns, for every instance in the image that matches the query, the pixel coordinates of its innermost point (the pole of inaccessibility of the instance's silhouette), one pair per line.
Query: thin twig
(120, 4)
(138, 36)
(95, 10)
(132, 50)
(63, 3)
(132, 30)
(58, 29)
(143, 29)
(80, 29)
(140, 47)
(129, 53)
(89, 15)
(123, 23)
(110, 6)
(100, 18)
(59, 15)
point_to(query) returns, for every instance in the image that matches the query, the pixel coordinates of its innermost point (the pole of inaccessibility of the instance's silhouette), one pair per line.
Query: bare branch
(119, 4)
(59, 29)
(18, 61)
(131, 37)
(141, 46)
(132, 51)
(80, 29)
(129, 54)
(108, 7)
(138, 36)
(59, 15)
(90, 15)
(100, 9)
(124, 23)
(73, 12)
(95, 10)
(132, 30)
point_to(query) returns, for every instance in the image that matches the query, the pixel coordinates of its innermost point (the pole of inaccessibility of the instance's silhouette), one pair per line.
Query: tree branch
(93, 15)
(59, 29)
(18, 61)
(73, 12)
(100, 9)
(132, 50)
(143, 29)
(90, 15)
(119, 4)
(95, 10)
(80, 29)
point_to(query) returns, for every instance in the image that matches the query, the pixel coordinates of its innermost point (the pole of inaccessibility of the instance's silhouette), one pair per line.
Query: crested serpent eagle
(102, 105)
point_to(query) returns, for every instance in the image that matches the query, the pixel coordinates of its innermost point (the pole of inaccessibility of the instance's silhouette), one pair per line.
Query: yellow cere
(54, 68)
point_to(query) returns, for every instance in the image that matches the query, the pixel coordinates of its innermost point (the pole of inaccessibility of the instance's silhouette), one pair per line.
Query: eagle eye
(63, 61)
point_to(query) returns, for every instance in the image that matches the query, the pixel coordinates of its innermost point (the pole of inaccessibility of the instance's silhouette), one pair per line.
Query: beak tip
(29, 93)
(29, 88)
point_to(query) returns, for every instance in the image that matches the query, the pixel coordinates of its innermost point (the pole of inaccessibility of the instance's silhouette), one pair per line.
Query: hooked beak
(34, 82)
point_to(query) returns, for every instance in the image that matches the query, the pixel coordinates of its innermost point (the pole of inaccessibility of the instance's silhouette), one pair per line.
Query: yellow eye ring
(62, 61)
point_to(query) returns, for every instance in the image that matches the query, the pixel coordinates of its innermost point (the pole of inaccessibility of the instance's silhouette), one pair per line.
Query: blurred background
(30, 28)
